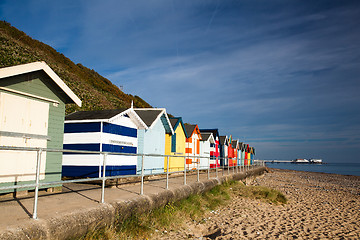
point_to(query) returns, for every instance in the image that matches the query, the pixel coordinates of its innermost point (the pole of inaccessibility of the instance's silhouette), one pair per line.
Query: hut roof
(223, 140)
(234, 143)
(189, 129)
(175, 121)
(150, 115)
(207, 137)
(41, 66)
(92, 115)
(214, 131)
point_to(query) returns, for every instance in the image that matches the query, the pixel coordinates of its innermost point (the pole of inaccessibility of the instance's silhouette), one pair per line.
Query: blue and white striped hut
(151, 140)
(106, 131)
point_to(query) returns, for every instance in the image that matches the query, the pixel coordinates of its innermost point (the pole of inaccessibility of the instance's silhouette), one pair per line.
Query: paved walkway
(74, 196)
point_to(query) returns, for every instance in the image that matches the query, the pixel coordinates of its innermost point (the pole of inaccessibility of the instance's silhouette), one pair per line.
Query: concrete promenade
(77, 208)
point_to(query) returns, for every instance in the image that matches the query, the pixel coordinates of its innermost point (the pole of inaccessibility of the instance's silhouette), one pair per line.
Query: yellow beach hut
(175, 145)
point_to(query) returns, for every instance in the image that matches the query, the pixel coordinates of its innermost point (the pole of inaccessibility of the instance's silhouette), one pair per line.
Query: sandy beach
(320, 206)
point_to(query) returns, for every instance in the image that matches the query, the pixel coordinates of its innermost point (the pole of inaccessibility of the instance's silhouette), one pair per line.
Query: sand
(320, 206)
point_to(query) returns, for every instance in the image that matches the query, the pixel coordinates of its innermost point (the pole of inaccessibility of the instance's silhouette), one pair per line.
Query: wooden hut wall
(206, 146)
(246, 155)
(204, 152)
(224, 153)
(179, 138)
(238, 154)
(119, 136)
(192, 149)
(215, 154)
(230, 153)
(252, 155)
(214, 147)
(235, 159)
(152, 141)
(33, 106)
(225, 159)
(243, 154)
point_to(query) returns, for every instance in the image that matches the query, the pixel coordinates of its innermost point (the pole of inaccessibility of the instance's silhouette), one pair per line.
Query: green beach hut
(32, 112)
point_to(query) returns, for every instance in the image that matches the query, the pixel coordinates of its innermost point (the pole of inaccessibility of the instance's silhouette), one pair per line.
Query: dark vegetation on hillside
(95, 91)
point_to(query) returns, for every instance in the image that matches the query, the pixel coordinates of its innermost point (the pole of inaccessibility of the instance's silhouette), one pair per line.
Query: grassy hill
(95, 91)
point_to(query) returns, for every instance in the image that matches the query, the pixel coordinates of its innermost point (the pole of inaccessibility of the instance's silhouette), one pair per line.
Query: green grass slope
(95, 91)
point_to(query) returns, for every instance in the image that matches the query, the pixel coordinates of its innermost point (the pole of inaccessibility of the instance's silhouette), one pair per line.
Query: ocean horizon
(337, 168)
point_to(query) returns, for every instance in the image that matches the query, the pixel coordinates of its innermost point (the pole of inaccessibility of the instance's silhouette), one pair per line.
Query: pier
(278, 161)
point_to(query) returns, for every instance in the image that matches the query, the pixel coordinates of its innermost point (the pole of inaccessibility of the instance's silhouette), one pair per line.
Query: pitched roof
(189, 129)
(205, 136)
(223, 140)
(41, 66)
(106, 116)
(208, 137)
(241, 146)
(214, 131)
(175, 122)
(92, 115)
(148, 115)
(234, 143)
(252, 150)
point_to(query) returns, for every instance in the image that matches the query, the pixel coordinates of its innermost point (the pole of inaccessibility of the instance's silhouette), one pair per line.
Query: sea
(338, 168)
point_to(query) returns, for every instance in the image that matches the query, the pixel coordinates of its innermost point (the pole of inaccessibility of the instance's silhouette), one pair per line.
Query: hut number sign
(123, 143)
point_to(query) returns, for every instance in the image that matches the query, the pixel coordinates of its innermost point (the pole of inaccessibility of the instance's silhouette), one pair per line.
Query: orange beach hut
(192, 146)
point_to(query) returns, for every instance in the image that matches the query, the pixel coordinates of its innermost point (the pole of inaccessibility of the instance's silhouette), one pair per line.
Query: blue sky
(282, 76)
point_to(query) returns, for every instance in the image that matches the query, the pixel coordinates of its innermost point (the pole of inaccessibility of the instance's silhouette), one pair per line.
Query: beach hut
(32, 103)
(152, 139)
(175, 145)
(230, 152)
(247, 155)
(224, 142)
(252, 153)
(192, 146)
(104, 131)
(206, 143)
(241, 153)
(214, 147)
(235, 146)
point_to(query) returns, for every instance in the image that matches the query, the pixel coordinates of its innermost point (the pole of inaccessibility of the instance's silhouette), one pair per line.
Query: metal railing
(235, 166)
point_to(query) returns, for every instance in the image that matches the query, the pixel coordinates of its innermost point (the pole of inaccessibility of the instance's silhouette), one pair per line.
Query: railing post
(233, 166)
(216, 167)
(198, 169)
(228, 166)
(37, 178)
(103, 178)
(223, 167)
(167, 172)
(184, 170)
(142, 175)
(208, 168)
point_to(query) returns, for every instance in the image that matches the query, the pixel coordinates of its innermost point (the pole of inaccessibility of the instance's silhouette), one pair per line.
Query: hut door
(23, 123)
